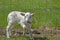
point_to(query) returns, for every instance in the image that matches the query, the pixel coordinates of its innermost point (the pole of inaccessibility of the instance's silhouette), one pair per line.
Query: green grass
(46, 13)
(17, 38)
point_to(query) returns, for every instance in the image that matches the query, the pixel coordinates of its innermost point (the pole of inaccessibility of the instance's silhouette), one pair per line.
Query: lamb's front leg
(30, 33)
(23, 31)
(23, 26)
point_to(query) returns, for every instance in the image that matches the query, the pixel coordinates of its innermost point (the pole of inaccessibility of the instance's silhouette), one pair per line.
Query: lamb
(22, 18)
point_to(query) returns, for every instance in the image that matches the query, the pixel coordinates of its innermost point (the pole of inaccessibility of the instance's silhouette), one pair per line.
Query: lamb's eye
(26, 15)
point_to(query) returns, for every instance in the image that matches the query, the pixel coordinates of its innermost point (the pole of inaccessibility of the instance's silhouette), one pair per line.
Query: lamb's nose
(28, 22)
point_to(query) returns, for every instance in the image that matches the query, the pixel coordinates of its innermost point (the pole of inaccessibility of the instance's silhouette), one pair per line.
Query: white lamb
(21, 18)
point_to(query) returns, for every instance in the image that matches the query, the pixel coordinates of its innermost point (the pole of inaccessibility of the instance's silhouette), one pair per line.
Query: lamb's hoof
(8, 37)
(31, 38)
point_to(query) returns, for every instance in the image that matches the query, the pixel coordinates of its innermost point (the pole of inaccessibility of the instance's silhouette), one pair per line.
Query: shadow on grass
(41, 38)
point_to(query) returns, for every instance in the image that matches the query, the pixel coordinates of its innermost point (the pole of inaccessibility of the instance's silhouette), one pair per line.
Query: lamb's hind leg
(8, 30)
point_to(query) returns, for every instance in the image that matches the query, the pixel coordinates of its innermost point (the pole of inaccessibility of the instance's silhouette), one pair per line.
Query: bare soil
(41, 32)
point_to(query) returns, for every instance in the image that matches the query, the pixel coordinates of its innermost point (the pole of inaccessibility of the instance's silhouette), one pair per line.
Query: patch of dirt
(44, 31)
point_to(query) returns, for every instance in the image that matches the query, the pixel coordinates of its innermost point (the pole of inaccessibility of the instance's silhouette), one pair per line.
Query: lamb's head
(28, 16)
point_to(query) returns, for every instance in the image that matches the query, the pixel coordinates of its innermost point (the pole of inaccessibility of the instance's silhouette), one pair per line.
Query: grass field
(47, 13)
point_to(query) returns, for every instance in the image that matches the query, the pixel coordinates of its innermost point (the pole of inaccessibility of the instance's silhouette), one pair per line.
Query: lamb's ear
(32, 14)
(23, 14)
